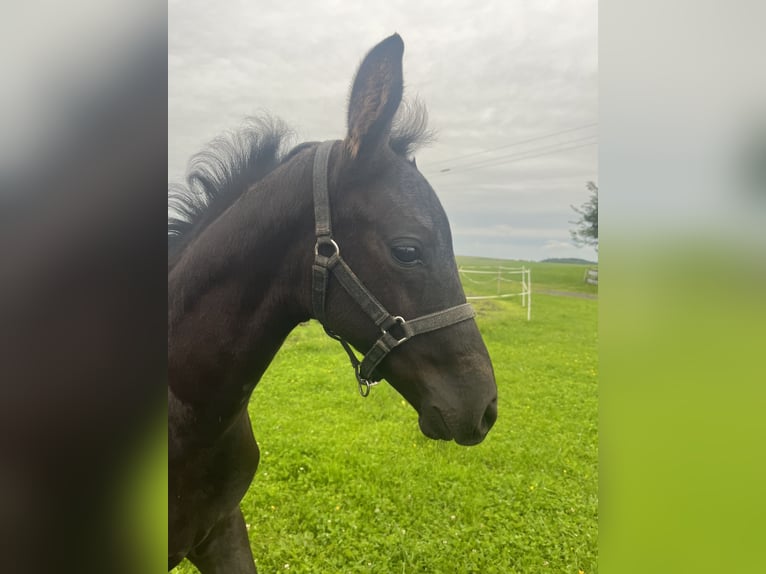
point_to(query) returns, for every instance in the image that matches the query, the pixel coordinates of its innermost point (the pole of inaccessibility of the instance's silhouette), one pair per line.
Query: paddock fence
(499, 283)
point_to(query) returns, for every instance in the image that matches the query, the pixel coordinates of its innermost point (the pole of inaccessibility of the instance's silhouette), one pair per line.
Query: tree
(586, 232)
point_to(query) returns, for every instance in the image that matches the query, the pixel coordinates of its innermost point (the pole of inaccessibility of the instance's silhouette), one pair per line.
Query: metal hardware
(399, 321)
(321, 241)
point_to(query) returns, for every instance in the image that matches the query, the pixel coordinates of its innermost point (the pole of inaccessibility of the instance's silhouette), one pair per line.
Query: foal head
(394, 235)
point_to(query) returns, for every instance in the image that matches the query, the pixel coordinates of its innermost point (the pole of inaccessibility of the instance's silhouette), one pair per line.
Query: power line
(523, 155)
(492, 160)
(519, 157)
(521, 142)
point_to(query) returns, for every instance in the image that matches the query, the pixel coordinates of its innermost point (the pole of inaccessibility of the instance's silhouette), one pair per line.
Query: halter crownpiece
(394, 329)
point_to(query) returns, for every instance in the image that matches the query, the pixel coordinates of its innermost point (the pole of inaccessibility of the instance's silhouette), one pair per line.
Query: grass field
(348, 484)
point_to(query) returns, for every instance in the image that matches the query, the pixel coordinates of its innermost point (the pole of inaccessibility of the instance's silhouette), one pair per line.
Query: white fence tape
(499, 277)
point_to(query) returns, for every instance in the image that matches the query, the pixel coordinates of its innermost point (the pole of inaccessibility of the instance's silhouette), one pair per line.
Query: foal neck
(237, 291)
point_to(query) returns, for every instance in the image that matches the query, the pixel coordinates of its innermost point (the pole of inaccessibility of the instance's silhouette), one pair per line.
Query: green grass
(348, 484)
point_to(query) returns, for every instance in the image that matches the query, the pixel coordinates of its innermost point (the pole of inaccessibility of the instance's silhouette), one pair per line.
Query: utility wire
(518, 157)
(521, 142)
(492, 160)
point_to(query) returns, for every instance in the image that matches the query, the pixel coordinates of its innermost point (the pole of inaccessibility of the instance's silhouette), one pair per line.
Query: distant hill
(569, 260)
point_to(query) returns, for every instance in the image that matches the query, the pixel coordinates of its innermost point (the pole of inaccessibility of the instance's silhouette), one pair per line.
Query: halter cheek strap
(394, 329)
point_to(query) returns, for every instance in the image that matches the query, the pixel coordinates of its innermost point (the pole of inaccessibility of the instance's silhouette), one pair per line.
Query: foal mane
(220, 174)
(231, 164)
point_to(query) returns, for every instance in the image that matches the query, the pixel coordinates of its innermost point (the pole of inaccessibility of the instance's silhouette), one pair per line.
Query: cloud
(491, 74)
(553, 245)
(509, 231)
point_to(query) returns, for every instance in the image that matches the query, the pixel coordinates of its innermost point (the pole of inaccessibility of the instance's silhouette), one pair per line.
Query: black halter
(327, 260)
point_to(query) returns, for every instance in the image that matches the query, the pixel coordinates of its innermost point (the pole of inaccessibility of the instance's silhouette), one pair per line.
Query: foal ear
(375, 97)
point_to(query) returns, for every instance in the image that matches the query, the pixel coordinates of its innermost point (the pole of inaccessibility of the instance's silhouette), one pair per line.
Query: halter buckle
(400, 322)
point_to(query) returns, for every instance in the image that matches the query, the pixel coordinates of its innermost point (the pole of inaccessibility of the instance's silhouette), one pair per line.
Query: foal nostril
(490, 416)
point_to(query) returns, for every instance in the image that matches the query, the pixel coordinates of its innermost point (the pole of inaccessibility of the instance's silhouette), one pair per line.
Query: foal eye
(407, 254)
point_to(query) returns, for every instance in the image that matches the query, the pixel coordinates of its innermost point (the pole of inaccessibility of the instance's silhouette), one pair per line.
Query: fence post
(529, 294)
(523, 287)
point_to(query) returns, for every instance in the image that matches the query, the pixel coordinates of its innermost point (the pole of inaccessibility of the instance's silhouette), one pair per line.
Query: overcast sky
(492, 74)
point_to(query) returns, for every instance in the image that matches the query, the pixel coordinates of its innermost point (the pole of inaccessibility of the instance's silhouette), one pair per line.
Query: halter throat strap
(394, 329)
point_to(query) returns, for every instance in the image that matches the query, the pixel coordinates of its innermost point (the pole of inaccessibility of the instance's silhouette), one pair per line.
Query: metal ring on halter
(365, 385)
(326, 241)
(399, 321)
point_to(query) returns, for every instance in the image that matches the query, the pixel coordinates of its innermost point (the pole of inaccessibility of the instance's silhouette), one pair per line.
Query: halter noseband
(327, 260)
